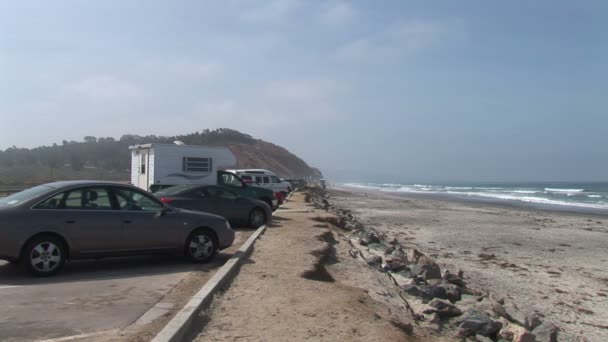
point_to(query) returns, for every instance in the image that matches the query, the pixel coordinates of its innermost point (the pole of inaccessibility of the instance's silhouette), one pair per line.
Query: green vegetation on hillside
(106, 158)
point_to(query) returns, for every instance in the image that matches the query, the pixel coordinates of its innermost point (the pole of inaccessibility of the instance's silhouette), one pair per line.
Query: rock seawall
(438, 297)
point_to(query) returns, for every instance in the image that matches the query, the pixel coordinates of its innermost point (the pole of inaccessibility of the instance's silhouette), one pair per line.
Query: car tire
(44, 255)
(201, 246)
(257, 218)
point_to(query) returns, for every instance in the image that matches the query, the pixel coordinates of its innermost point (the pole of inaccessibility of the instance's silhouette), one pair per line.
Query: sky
(399, 91)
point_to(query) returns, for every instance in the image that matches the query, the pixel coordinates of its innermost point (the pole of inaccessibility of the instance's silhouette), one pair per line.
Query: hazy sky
(391, 90)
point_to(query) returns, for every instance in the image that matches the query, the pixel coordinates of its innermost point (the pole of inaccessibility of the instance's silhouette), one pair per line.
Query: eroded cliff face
(265, 155)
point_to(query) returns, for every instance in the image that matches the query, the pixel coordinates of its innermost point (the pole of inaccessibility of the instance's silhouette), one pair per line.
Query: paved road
(90, 296)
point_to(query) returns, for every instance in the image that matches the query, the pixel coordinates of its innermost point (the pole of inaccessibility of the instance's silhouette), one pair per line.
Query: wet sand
(553, 263)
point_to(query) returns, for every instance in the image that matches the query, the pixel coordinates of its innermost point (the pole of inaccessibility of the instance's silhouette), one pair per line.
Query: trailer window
(192, 164)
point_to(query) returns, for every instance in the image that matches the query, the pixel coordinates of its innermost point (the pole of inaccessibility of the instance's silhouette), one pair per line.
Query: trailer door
(144, 163)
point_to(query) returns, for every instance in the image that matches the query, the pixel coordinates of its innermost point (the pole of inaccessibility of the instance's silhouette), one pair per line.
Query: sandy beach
(551, 263)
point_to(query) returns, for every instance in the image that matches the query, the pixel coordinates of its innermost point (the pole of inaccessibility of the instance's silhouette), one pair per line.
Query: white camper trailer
(154, 166)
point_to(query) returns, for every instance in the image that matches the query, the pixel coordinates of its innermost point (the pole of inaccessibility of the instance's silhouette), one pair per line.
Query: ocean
(579, 197)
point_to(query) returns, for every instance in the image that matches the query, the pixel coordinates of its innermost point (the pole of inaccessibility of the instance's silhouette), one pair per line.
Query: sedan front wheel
(201, 246)
(44, 256)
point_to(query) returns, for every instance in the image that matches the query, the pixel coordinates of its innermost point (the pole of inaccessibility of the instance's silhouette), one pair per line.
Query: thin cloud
(338, 14)
(102, 88)
(401, 38)
(270, 11)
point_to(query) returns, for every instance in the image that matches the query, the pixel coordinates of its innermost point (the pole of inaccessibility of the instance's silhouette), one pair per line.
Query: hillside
(107, 158)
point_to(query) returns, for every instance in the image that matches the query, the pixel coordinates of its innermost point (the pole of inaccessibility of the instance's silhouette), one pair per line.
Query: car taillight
(165, 200)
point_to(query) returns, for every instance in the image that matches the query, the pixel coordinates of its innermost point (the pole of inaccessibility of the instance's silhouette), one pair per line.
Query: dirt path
(299, 284)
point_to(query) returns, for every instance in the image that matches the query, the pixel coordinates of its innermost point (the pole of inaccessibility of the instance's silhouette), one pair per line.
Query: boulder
(515, 333)
(371, 258)
(492, 308)
(514, 314)
(475, 322)
(413, 255)
(443, 308)
(532, 321)
(435, 318)
(426, 271)
(546, 332)
(367, 238)
(427, 292)
(393, 264)
(453, 292)
(399, 253)
(403, 278)
(481, 338)
(377, 248)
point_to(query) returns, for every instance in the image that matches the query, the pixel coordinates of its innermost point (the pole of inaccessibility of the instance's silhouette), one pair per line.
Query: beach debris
(474, 322)
(443, 308)
(546, 332)
(515, 333)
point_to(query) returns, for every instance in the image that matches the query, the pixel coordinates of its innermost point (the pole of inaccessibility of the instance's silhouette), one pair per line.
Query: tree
(90, 139)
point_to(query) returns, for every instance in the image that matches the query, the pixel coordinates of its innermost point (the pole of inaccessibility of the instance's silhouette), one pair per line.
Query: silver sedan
(44, 226)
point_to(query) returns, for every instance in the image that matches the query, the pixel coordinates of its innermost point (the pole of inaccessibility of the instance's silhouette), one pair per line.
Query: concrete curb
(177, 328)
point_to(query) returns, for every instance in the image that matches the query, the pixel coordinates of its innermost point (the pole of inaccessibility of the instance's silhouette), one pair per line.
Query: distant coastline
(527, 196)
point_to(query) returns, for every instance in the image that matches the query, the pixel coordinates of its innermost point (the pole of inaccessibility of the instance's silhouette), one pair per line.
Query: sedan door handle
(127, 221)
(70, 221)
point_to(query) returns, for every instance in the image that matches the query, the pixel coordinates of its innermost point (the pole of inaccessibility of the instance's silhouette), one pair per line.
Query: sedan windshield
(24, 195)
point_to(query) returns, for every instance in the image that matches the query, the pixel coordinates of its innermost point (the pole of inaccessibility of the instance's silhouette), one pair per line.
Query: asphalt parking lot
(92, 296)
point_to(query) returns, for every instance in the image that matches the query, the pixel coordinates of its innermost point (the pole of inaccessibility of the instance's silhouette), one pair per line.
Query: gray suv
(44, 226)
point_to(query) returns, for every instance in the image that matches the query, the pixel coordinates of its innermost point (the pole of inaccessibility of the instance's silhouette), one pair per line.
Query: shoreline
(552, 263)
(511, 204)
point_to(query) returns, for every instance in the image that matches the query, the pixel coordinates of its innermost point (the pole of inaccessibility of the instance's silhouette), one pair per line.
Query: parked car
(44, 226)
(159, 166)
(218, 200)
(264, 178)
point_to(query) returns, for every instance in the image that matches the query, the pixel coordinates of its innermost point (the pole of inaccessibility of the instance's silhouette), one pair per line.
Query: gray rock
(427, 292)
(369, 238)
(515, 333)
(453, 292)
(399, 253)
(443, 308)
(478, 322)
(546, 332)
(393, 264)
(532, 321)
(514, 314)
(492, 308)
(378, 247)
(371, 258)
(405, 273)
(481, 338)
(426, 271)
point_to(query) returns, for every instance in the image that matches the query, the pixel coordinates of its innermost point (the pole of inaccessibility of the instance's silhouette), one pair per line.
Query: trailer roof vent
(177, 142)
